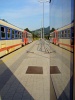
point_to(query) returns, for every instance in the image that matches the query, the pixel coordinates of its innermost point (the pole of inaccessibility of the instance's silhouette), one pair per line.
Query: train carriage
(12, 38)
(24, 39)
(51, 37)
(27, 37)
(30, 38)
(64, 37)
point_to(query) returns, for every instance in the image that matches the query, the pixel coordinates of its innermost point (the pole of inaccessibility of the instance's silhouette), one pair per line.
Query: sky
(61, 12)
(29, 13)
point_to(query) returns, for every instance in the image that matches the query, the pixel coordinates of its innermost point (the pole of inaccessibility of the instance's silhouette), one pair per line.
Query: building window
(3, 35)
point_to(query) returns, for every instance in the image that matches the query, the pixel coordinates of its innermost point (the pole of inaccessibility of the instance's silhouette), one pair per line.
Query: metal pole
(49, 14)
(43, 14)
(43, 20)
(41, 29)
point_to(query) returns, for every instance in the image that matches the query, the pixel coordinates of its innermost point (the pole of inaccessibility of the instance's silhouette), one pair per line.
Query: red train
(27, 37)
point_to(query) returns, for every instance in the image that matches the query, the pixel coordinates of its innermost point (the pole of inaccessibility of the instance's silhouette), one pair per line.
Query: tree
(53, 29)
(28, 30)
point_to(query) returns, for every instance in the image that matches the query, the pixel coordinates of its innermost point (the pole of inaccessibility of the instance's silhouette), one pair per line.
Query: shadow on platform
(67, 93)
(10, 87)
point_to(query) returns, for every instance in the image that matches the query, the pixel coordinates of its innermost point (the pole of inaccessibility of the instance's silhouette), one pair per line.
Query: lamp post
(43, 1)
(49, 13)
(41, 29)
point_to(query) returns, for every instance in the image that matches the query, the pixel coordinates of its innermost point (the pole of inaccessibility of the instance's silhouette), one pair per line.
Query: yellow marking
(12, 55)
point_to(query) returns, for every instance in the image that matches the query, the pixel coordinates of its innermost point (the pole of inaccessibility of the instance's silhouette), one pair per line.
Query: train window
(3, 35)
(2, 29)
(62, 34)
(20, 35)
(58, 34)
(13, 34)
(72, 30)
(68, 33)
(68, 30)
(65, 33)
(8, 33)
(16, 34)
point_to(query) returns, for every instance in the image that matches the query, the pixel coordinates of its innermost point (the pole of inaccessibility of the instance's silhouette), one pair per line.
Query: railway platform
(26, 73)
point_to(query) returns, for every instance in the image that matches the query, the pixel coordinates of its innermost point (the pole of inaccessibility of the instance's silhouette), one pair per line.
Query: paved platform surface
(15, 84)
(63, 59)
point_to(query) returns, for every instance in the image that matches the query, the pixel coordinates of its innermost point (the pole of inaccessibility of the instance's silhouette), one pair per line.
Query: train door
(23, 38)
